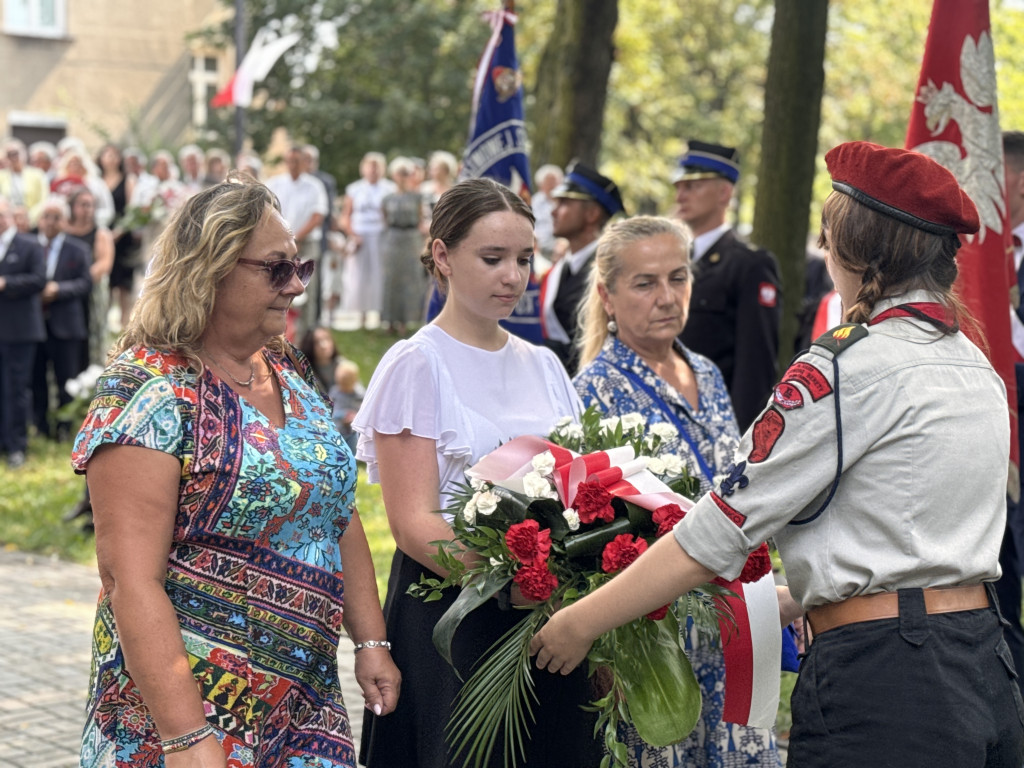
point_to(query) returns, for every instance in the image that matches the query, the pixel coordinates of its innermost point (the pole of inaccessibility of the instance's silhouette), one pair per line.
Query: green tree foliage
(386, 75)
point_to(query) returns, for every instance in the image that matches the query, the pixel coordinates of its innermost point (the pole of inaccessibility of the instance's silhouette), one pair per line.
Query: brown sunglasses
(281, 271)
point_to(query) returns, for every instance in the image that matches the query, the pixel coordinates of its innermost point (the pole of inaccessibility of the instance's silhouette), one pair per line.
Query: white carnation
(673, 464)
(486, 502)
(478, 485)
(543, 463)
(535, 486)
(563, 422)
(573, 431)
(469, 512)
(610, 423)
(572, 518)
(664, 430)
(632, 422)
(655, 465)
(494, 561)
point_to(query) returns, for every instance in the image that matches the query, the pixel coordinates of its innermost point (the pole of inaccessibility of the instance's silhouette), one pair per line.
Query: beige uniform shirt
(924, 429)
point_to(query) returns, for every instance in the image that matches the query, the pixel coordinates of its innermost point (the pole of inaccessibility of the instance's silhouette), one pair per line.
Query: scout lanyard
(638, 382)
(931, 312)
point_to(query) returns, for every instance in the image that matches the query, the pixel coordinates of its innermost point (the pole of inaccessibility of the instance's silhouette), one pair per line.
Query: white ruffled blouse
(468, 400)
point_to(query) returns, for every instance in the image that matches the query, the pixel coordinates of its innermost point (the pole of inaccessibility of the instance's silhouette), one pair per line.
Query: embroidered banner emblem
(767, 295)
(767, 430)
(788, 396)
(812, 379)
(737, 518)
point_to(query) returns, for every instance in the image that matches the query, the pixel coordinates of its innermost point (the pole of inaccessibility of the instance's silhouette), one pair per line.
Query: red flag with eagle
(955, 120)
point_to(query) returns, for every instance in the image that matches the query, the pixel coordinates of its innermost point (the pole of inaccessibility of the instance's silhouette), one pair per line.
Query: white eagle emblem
(979, 165)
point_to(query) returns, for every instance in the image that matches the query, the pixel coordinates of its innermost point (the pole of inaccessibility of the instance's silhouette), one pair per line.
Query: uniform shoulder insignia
(841, 337)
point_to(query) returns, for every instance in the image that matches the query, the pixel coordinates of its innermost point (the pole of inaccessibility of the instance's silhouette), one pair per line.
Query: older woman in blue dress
(632, 361)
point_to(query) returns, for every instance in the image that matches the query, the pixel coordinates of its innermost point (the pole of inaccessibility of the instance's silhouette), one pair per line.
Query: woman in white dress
(436, 404)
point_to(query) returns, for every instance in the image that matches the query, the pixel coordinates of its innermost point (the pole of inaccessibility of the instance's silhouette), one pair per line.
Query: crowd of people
(228, 404)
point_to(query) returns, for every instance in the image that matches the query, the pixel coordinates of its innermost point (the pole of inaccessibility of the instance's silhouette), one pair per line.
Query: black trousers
(64, 357)
(934, 690)
(15, 380)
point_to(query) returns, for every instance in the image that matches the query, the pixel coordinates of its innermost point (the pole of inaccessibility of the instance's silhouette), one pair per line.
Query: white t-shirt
(300, 198)
(367, 198)
(468, 400)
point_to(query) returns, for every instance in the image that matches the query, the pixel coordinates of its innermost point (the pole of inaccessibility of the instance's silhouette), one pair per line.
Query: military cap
(582, 182)
(707, 161)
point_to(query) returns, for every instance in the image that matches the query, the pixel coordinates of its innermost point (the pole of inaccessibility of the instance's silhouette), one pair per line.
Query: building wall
(120, 73)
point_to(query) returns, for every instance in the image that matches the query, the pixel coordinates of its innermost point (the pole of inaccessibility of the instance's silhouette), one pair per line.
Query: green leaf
(548, 512)
(480, 589)
(592, 542)
(661, 690)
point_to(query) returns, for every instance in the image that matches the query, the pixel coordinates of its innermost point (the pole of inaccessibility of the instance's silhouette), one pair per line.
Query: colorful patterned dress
(618, 381)
(254, 572)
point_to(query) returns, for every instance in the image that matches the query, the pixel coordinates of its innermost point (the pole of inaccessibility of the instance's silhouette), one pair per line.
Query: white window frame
(33, 26)
(199, 78)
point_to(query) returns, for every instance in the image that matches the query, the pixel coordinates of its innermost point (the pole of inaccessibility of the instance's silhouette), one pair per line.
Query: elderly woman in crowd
(234, 554)
(75, 169)
(633, 361)
(879, 467)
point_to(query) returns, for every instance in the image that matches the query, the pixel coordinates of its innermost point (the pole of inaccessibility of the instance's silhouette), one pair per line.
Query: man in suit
(735, 301)
(584, 202)
(67, 288)
(22, 277)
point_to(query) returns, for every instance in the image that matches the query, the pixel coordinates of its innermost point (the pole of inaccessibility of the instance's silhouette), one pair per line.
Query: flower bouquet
(558, 518)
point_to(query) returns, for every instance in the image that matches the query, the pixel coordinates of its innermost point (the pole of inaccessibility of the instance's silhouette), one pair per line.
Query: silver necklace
(252, 371)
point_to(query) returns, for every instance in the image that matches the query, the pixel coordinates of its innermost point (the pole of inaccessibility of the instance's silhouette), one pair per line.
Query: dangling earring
(613, 327)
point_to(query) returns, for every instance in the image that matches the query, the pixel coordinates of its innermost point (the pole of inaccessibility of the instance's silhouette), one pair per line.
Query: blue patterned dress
(254, 572)
(618, 381)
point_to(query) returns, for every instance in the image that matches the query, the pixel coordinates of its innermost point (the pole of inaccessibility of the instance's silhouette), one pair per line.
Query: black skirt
(413, 735)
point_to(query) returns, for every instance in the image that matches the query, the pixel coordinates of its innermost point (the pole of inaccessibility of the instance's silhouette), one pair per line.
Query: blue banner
(497, 137)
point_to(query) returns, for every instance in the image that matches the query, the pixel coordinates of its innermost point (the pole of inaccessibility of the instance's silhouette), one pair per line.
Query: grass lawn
(35, 498)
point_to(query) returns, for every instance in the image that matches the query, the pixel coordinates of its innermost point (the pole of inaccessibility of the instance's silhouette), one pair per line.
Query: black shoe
(15, 459)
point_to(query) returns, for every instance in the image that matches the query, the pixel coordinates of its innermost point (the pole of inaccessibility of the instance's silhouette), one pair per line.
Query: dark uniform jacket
(571, 293)
(734, 320)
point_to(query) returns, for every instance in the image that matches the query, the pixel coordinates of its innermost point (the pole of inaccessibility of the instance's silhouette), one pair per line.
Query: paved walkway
(46, 613)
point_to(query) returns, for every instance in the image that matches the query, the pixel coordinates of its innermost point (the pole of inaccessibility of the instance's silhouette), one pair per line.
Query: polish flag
(955, 121)
(259, 59)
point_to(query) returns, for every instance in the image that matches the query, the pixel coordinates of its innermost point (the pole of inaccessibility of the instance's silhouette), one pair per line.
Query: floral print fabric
(254, 572)
(610, 381)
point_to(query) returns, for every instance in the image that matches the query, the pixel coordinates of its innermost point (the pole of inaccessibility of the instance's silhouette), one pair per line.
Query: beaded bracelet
(371, 644)
(181, 743)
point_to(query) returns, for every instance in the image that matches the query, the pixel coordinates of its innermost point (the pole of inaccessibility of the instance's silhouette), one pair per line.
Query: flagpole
(239, 55)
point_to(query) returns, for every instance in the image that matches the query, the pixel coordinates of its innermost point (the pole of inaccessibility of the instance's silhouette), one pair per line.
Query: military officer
(735, 308)
(584, 202)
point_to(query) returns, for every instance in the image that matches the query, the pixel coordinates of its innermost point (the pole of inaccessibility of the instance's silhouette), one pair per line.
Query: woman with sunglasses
(227, 539)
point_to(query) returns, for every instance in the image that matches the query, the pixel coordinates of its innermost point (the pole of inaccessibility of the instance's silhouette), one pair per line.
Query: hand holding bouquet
(557, 518)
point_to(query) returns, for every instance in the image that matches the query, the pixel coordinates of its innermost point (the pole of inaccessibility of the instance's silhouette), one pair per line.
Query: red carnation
(758, 564)
(658, 614)
(593, 502)
(536, 582)
(529, 544)
(621, 551)
(666, 517)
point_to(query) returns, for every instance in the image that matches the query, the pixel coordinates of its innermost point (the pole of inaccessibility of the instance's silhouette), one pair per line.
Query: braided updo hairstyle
(891, 256)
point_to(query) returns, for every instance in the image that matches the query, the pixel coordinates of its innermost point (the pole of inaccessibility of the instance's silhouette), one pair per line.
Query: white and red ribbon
(752, 640)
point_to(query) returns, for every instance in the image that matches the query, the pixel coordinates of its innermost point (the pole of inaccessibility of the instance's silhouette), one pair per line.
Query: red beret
(904, 185)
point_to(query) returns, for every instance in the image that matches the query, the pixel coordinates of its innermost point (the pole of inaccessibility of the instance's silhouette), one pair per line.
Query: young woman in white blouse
(436, 404)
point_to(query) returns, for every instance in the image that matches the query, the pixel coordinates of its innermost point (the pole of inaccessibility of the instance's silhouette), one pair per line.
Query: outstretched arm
(658, 577)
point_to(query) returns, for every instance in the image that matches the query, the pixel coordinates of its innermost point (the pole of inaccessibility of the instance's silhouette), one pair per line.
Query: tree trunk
(572, 83)
(789, 145)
